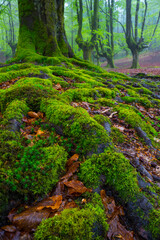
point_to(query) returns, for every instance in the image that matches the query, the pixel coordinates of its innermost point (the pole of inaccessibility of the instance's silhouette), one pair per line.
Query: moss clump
(15, 110)
(76, 224)
(9, 146)
(29, 91)
(154, 223)
(85, 94)
(76, 123)
(119, 173)
(37, 171)
(106, 102)
(117, 136)
(134, 118)
(101, 119)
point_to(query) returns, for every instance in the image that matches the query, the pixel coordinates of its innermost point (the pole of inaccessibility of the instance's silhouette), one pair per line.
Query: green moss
(117, 169)
(85, 94)
(101, 119)
(144, 90)
(133, 93)
(130, 116)
(77, 224)
(106, 102)
(9, 146)
(117, 136)
(154, 223)
(77, 124)
(12, 74)
(15, 110)
(30, 91)
(37, 171)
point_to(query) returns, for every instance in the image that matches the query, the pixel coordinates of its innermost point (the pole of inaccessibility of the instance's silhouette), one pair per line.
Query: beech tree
(42, 30)
(135, 40)
(107, 50)
(92, 12)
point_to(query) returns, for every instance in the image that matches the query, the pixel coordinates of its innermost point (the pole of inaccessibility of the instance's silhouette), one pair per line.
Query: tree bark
(135, 62)
(42, 29)
(87, 52)
(87, 46)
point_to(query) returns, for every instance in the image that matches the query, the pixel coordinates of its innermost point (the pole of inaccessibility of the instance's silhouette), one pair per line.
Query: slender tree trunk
(42, 29)
(135, 62)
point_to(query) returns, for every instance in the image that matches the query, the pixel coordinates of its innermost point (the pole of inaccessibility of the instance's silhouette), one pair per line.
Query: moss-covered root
(122, 177)
(118, 172)
(88, 135)
(85, 224)
(13, 114)
(32, 90)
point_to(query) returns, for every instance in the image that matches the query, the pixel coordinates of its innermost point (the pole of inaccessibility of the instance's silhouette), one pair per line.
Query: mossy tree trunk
(103, 49)
(42, 29)
(135, 44)
(87, 46)
(135, 55)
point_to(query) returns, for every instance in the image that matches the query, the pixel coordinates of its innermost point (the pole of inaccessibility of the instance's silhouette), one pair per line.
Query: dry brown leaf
(39, 132)
(76, 187)
(33, 115)
(58, 86)
(55, 204)
(74, 158)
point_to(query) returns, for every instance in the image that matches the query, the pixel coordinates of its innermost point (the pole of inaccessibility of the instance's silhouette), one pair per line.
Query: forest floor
(110, 96)
(149, 62)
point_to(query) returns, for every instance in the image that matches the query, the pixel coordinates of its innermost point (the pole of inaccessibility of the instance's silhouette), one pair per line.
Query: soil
(149, 62)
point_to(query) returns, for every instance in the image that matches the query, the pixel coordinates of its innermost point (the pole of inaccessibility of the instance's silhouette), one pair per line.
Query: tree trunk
(87, 53)
(135, 62)
(110, 63)
(42, 29)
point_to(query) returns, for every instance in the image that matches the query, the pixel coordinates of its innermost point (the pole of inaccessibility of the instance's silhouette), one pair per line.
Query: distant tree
(105, 42)
(10, 32)
(87, 46)
(134, 38)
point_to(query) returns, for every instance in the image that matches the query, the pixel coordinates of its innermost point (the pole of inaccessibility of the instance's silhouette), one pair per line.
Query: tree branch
(144, 19)
(115, 20)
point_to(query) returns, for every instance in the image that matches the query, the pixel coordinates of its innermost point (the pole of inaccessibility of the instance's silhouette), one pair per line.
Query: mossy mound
(28, 90)
(82, 224)
(119, 173)
(88, 135)
(35, 168)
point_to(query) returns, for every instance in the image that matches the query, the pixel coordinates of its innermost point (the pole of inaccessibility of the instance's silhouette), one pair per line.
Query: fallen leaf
(76, 187)
(33, 115)
(39, 132)
(72, 169)
(116, 229)
(58, 87)
(72, 159)
(9, 228)
(55, 204)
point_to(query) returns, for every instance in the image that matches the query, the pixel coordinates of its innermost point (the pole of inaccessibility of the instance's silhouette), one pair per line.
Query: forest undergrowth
(80, 151)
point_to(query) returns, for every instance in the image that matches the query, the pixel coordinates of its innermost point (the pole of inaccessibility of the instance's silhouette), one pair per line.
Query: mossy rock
(87, 134)
(76, 224)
